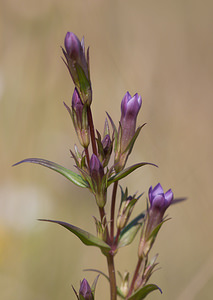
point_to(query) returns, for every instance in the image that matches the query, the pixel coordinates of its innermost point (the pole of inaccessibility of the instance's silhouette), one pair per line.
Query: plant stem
(112, 278)
(135, 277)
(112, 217)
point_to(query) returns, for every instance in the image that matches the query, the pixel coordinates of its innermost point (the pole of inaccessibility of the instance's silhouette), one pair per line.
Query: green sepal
(70, 175)
(86, 237)
(131, 143)
(144, 291)
(127, 171)
(154, 232)
(84, 84)
(115, 132)
(129, 232)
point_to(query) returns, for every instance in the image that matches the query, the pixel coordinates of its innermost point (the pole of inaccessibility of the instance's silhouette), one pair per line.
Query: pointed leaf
(72, 176)
(144, 291)
(127, 171)
(129, 232)
(86, 237)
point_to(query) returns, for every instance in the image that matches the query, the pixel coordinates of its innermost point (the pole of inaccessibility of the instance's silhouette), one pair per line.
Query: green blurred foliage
(160, 49)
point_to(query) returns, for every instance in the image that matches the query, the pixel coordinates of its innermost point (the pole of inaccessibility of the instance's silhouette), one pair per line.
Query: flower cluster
(100, 163)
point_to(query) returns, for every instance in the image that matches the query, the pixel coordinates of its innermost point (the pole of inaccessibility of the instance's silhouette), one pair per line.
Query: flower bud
(101, 229)
(159, 202)
(130, 107)
(124, 284)
(78, 66)
(98, 180)
(78, 114)
(125, 211)
(107, 149)
(85, 292)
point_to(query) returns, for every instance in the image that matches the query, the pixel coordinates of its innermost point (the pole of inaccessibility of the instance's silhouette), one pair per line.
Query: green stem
(112, 278)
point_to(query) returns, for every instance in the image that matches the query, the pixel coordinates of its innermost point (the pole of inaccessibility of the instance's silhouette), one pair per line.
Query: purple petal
(169, 196)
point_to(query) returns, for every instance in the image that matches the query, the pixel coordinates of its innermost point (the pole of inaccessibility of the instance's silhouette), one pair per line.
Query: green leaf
(144, 291)
(86, 237)
(129, 232)
(127, 171)
(72, 176)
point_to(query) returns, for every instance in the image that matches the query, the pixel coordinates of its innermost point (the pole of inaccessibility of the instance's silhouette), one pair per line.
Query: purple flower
(85, 290)
(159, 200)
(127, 134)
(130, 107)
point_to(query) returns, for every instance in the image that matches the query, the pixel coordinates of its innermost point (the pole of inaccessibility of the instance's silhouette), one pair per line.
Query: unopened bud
(85, 292)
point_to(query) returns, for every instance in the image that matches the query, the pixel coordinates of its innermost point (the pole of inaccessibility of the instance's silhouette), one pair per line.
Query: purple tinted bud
(98, 182)
(106, 143)
(77, 104)
(96, 168)
(72, 45)
(85, 290)
(78, 65)
(79, 117)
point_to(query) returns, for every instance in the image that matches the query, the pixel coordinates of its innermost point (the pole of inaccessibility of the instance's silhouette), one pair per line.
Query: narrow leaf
(86, 237)
(144, 291)
(72, 176)
(127, 171)
(129, 232)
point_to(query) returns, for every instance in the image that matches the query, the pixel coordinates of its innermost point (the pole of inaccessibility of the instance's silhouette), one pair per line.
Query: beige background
(160, 49)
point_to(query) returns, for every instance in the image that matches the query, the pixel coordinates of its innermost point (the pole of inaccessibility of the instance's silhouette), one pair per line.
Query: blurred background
(160, 49)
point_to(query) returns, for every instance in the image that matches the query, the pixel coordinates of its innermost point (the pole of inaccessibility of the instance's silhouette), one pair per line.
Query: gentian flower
(130, 107)
(78, 65)
(159, 202)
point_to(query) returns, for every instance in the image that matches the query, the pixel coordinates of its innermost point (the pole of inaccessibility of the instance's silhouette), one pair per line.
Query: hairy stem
(112, 278)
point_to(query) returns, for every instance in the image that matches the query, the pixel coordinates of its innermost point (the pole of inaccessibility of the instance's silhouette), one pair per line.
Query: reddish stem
(134, 277)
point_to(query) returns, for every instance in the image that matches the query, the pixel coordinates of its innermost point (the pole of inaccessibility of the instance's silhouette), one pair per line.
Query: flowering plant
(97, 169)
